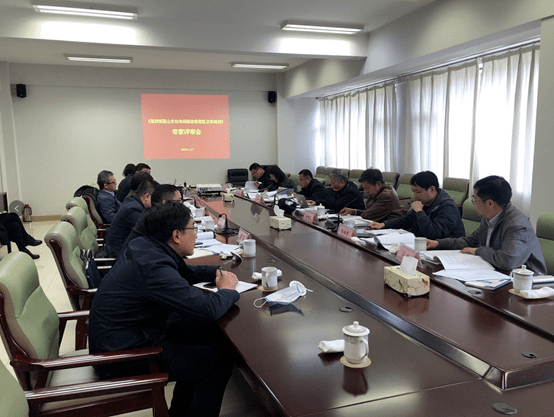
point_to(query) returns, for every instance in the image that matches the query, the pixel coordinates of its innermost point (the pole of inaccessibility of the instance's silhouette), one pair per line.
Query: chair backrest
(29, 324)
(237, 176)
(457, 189)
(86, 236)
(404, 189)
(328, 170)
(12, 400)
(470, 218)
(91, 204)
(354, 176)
(296, 179)
(391, 178)
(545, 234)
(80, 202)
(62, 241)
(320, 170)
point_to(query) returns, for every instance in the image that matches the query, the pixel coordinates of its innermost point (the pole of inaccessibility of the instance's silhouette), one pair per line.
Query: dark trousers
(14, 229)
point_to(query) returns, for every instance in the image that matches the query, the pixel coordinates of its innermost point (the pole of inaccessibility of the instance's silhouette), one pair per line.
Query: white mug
(269, 278)
(199, 212)
(356, 346)
(320, 211)
(208, 223)
(522, 278)
(249, 247)
(420, 244)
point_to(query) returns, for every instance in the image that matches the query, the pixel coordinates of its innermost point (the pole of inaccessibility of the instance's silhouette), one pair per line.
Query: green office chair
(354, 176)
(81, 202)
(457, 189)
(320, 175)
(86, 235)
(545, 234)
(391, 178)
(140, 393)
(470, 218)
(404, 191)
(296, 179)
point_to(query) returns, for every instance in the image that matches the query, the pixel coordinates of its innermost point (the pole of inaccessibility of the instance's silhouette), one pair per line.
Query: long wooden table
(422, 349)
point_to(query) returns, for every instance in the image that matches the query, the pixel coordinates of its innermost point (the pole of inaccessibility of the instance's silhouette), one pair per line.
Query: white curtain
(467, 121)
(359, 129)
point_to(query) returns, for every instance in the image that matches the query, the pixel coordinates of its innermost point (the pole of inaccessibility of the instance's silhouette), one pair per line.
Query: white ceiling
(195, 34)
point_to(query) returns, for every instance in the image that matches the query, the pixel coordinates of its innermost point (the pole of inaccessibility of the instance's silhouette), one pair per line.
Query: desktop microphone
(339, 220)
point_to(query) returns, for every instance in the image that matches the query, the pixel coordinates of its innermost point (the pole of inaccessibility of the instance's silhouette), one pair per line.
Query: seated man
(106, 202)
(383, 203)
(260, 175)
(312, 189)
(162, 193)
(125, 185)
(433, 215)
(12, 230)
(147, 299)
(127, 216)
(342, 193)
(505, 238)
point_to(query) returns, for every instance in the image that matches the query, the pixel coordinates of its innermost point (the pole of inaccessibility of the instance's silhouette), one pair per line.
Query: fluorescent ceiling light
(322, 28)
(258, 66)
(87, 9)
(94, 58)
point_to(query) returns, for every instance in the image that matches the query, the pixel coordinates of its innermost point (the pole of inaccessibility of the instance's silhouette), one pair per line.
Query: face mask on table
(284, 296)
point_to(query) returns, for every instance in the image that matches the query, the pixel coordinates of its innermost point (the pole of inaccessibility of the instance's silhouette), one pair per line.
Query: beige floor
(239, 400)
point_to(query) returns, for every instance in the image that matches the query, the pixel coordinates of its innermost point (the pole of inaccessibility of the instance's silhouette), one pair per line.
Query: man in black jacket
(261, 176)
(312, 189)
(342, 193)
(433, 215)
(147, 299)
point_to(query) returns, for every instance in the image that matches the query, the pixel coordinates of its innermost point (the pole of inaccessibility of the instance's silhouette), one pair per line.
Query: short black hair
(372, 175)
(494, 188)
(141, 166)
(425, 180)
(129, 169)
(306, 173)
(162, 219)
(164, 192)
(139, 178)
(255, 165)
(103, 178)
(146, 187)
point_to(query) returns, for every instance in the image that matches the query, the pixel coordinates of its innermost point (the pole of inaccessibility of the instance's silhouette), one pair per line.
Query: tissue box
(417, 284)
(279, 223)
(228, 197)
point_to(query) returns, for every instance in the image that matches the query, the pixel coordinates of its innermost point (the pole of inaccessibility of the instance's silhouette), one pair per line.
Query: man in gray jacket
(505, 237)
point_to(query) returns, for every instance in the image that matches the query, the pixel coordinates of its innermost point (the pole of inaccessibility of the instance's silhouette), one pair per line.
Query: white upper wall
(76, 122)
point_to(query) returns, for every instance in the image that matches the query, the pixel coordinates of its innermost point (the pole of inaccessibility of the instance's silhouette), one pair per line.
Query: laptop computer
(301, 200)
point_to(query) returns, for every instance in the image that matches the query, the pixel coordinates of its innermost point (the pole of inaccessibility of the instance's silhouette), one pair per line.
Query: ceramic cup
(420, 244)
(320, 211)
(356, 346)
(199, 212)
(208, 224)
(269, 278)
(249, 247)
(522, 278)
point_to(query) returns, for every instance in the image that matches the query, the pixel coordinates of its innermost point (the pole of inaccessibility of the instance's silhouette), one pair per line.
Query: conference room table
(445, 353)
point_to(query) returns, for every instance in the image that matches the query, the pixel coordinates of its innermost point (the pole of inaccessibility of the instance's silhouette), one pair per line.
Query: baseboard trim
(46, 218)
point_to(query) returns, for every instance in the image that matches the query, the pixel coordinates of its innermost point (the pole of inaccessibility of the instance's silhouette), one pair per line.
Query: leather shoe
(32, 255)
(31, 241)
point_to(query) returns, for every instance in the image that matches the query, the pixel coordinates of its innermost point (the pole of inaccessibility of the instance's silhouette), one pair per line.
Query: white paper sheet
(241, 286)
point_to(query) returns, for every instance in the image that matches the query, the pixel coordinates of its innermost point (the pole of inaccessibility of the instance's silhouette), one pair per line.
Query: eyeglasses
(113, 182)
(195, 228)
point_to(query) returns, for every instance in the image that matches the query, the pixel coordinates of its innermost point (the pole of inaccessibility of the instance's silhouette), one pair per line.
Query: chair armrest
(87, 292)
(97, 388)
(68, 362)
(74, 315)
(105, 261)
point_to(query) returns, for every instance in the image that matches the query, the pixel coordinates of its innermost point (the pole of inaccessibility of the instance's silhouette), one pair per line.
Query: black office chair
(237, 176)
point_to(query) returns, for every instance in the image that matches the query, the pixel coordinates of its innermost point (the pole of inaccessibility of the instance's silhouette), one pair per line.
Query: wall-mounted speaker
(271, 97)
(21, 90)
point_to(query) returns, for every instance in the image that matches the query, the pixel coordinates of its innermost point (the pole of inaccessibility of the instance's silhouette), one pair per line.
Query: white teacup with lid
(522, 278)
(356, 347)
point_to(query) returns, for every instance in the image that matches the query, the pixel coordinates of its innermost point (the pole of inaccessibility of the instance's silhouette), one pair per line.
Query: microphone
(339, 220)
(279, 192)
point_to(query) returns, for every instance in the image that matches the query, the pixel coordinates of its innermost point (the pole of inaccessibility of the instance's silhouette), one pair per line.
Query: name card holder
(259, 199)
(222, 222)
(310, 217)
(404, 250)
(243, 234)
(346, 232)
(239, 193)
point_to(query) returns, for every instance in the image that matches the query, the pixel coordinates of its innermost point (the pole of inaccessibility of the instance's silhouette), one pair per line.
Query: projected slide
(185, 126)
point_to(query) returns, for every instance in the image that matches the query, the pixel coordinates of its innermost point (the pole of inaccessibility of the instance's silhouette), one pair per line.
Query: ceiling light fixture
(258, 66)
(86, 9)
(322, 27)
(94, 58)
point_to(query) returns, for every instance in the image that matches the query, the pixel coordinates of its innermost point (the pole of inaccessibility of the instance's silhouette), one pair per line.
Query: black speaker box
(21, 90)
(271, 97)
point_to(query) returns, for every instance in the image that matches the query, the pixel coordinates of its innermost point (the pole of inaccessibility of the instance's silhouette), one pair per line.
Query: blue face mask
(284, 296)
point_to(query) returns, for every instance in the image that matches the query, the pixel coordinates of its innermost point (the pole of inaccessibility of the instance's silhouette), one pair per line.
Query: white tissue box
(279, 223)
(417, 284)
(228, 197)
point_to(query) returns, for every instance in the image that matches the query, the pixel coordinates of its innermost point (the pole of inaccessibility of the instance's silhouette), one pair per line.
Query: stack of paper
(389, 237)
